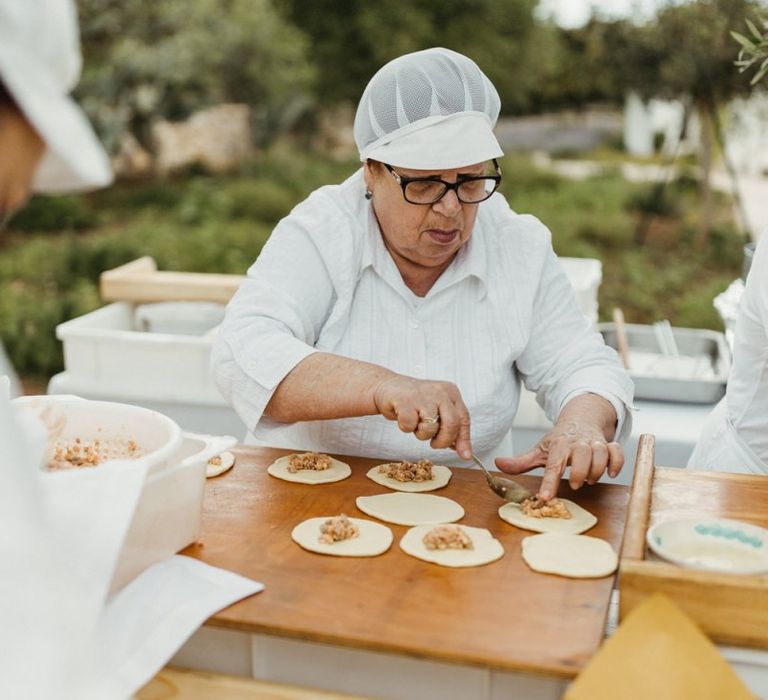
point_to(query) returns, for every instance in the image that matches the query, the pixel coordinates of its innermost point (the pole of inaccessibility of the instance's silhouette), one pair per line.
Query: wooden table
(501, 616)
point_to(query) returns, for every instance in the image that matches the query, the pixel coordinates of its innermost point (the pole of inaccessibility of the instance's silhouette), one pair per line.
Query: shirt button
(418, 369)
(252, 365)
(413, 323)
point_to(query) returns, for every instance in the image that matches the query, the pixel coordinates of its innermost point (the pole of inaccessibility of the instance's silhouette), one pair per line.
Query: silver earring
(368, 194)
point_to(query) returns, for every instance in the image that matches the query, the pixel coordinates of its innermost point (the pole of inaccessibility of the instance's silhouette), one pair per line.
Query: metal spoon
(505, 488)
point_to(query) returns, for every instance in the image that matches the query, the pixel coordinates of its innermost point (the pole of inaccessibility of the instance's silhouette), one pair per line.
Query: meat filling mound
(79, 454)
(537, 508)
(337, 529)
(309, 460)
(408, 471)
(447, 537)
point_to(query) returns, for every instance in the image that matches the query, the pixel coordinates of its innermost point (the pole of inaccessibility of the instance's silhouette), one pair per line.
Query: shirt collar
(470, 261)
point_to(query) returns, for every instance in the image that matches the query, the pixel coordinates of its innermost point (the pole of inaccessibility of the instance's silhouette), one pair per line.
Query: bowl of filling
(83, 434)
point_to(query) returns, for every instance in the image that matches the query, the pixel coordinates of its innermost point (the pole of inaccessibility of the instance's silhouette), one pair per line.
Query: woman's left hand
(578, 441)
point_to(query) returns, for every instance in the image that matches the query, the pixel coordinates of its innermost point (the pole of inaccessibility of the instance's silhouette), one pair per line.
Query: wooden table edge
(563, 672)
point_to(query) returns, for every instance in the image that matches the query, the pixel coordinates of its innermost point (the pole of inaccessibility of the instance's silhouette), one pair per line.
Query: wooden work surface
(730, 608)
(500, 616)
(683, 493)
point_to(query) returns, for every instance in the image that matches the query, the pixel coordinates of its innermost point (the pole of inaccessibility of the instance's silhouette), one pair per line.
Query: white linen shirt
(747, 391)
(503, 310)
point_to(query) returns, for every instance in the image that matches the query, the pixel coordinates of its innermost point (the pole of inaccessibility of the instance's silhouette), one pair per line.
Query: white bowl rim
(661, 552)
(157, 458)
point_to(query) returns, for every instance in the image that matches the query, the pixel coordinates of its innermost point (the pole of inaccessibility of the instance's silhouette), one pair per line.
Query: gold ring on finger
(429, 420)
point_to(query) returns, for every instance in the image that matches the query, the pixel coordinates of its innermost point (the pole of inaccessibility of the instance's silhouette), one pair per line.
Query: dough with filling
(372, 539)
(336, 472)
(573, 556)
(219, 464)
(411, 508)
(580, 521)
(440, 477)
(485, 548)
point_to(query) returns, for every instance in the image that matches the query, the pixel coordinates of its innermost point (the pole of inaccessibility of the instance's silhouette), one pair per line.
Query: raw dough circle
(373, 538)
(574, 556)
(440, 477)
(486, 548)
(227, 460)
(336, 472)
(411, 508)
(580, 521)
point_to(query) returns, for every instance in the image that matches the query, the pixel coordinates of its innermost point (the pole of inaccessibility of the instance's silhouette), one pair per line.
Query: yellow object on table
(659, 653)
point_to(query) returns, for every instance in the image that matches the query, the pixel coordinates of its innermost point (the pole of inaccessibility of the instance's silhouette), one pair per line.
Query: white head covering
(428, 110)
(39, 64)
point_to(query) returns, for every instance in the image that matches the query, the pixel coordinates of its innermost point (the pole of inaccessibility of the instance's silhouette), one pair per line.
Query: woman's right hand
(431, 410)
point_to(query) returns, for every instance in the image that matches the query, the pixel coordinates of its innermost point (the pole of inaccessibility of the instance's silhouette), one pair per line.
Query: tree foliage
(146, 59)
(697, 49)
(754, 50)
(352, 39)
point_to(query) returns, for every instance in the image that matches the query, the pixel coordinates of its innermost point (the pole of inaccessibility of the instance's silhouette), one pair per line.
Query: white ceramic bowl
(70, 417)
(170, 509)
(711, 543)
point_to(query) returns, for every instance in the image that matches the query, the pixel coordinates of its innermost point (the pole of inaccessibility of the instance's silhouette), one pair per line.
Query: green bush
(259, 199)
(55, 213)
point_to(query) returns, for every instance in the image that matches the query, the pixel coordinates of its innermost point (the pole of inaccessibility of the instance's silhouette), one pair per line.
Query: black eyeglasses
(470, 189)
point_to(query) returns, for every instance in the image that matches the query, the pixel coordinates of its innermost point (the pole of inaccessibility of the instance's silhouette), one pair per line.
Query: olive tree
(754, 50)
(146, 59)
(687, 55)
(351, 39)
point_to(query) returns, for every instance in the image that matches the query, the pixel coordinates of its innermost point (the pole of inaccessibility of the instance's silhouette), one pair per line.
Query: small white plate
(711, 543)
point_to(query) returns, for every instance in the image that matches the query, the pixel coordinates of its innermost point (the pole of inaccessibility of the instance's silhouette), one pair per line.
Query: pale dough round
(227, 460)
(486, 548)
(373, 538)
(580, 521)
(440, 477)
(411, 508)
(336, 472)
(574, 556)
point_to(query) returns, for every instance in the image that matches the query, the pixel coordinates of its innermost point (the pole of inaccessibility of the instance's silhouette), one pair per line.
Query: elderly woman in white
(410, 301)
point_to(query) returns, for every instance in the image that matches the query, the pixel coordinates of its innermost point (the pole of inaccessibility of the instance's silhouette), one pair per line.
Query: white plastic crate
(104, 352)
(585, 276)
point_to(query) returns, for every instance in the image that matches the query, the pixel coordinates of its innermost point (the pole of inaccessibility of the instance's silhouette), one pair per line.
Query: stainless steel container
(708, 348)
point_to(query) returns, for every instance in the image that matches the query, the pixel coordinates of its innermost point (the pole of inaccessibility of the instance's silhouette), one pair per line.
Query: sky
(575, 13)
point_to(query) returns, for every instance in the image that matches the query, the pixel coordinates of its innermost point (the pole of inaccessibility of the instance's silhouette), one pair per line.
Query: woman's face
(421, 236)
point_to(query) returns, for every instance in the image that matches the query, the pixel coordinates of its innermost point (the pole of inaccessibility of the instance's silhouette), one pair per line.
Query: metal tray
(667, 381)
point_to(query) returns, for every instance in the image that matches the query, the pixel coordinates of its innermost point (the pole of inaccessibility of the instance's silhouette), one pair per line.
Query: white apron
(720, 448)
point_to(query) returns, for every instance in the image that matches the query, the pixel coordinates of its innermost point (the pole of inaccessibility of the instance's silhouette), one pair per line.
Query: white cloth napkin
(145, 623)
(60, 537)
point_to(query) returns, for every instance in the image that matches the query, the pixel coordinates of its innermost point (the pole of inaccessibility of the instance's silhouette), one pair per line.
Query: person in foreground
(410, 300)
(46, 143)
(735, 436)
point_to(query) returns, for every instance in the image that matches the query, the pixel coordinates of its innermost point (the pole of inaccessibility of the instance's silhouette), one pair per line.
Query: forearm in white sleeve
(272, 322)
(565, 356)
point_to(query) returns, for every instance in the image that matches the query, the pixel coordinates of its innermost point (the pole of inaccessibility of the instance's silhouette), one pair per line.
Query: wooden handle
(139, 281)
(639, 509)
(621, 336)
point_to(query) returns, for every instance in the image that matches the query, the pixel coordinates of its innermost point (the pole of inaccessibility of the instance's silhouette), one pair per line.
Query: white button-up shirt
(501, 312)
(747, 392)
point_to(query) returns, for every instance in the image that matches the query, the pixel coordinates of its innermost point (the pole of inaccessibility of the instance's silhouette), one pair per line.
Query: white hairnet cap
(428, 110)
